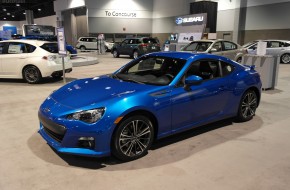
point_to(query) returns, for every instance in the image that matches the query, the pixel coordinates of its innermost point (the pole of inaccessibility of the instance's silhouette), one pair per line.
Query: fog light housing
(86, 142)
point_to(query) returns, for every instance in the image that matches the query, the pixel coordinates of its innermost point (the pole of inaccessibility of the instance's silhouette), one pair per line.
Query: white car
(92, 43)
(31, 60)
(274, 47)
(108, 45)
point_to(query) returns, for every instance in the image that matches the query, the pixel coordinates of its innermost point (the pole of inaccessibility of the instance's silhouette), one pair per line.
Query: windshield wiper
(132, 80)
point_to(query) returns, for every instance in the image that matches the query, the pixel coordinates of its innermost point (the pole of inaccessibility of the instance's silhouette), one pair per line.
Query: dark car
(134, 47)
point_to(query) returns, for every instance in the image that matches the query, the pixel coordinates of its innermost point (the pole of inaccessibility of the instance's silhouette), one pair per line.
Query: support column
(240, 21)
(29, 17)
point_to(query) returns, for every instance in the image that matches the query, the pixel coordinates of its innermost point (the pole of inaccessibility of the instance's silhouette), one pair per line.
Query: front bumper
(66, 139)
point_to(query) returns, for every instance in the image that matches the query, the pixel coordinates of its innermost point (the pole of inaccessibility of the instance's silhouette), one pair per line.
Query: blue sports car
(151, 97)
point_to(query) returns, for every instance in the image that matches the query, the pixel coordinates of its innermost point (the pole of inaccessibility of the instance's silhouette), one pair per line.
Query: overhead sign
(196, 19)
(124, 14)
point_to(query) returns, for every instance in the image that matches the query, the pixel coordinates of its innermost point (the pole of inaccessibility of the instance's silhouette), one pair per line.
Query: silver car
(221, 47)
(274, 47)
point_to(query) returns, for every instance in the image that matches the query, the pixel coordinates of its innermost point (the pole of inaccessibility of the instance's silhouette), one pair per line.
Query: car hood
(86, 92)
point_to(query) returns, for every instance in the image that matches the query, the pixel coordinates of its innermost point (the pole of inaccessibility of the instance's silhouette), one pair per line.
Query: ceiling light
(39, 9)
(13, 16)
(4, 10)
(4, 18)
(24, 13)
(8, 13)
(17, 5)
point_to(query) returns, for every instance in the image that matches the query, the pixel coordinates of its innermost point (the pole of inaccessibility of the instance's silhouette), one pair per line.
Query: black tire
(248, 106)
(132, 138)
(115, 53)
(31, 74)
(83, 48)
(239, 60)
(57, 76)
(285, 58)
(135, 54)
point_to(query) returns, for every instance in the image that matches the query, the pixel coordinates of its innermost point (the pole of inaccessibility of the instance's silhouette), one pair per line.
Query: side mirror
(192, 80)
(213, 50)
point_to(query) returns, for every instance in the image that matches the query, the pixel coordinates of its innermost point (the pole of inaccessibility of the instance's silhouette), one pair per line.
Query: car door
(14, 58)
(124, 47)
(230, 50)
(203, 102)
(216, 48)
(274, 48)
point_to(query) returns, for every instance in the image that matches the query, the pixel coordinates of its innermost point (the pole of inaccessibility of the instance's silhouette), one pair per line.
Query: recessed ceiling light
(39, 9)
(24, 13)
(4, 18)
(13, 16)
(17, 5)
(8, 13)
(4, 10)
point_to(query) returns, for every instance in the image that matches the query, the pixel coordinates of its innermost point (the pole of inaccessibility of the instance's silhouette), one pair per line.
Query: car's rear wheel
(133, 138)
(115, 53)
(248, 106)
(31, 74)
(135, 54)
(239, 60)
(83, 48)
(285, 58)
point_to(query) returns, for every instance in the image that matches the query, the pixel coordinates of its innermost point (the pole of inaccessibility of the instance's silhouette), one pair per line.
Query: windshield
(151, 70)
(50, 47)
(197, 46)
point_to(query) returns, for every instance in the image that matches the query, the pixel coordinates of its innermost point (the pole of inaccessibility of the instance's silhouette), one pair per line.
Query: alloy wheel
(285, 58)
(249, 105)
(31, 74)
(135, 138)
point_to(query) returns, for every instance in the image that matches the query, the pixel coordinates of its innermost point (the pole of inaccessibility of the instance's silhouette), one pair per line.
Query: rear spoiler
(251, 67)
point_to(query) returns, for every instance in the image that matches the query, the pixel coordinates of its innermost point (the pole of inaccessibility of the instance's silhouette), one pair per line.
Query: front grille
(52, 129)
(53, 135)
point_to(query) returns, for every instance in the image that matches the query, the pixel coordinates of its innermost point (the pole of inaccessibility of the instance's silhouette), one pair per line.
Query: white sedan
(31, 60)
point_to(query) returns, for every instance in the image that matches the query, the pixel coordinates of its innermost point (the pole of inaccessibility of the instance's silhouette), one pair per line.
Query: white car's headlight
(88, 116)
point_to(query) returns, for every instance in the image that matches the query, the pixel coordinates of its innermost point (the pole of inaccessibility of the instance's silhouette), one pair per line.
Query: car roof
(31, 42)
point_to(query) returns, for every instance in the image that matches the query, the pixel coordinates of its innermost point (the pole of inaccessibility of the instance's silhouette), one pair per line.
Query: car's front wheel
(115, 53)
(285, 58)
(135, 54)
(133, 138)
(31, 74)
(83, 48)
(248, 106)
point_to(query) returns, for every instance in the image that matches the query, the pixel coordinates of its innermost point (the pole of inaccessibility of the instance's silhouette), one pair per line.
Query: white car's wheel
(31, 74)
(285, 58)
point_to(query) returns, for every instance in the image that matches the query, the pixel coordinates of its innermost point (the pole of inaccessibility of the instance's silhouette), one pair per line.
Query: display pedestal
(267, 66)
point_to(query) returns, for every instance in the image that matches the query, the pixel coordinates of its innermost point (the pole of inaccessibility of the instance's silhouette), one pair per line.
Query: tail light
(144, 45)
(49, 57)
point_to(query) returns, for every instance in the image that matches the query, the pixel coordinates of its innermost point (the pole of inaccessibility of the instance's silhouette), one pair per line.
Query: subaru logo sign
(179, 20)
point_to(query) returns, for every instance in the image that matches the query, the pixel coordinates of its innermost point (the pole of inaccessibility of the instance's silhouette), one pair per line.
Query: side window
(16, 48)
(206, 69)
(125, 42)
(226, 68)
(229, 46)
(218, 46)
(30, 48)
(274, 44)
(94, 39)
(131, 41)
(82, 39)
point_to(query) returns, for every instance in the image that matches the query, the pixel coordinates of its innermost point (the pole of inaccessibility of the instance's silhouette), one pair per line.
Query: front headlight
(88, 116)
